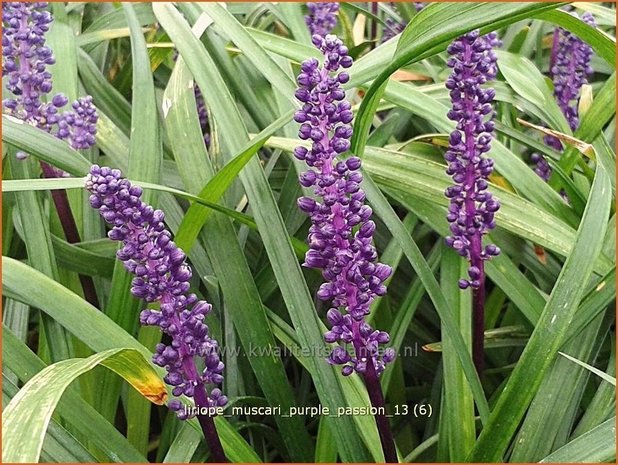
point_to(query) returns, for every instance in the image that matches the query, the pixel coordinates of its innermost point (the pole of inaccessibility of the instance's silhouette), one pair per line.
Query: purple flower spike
(161, 275)
(472, 208)
(571, 66)
(25, 57)
(340, 236)
(569, 70)
(322, 17)
(24, 65)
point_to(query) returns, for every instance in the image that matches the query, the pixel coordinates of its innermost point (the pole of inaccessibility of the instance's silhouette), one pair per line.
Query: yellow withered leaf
(584, 148)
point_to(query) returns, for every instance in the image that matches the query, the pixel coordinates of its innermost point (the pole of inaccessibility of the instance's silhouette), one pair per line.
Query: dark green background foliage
(232, 207)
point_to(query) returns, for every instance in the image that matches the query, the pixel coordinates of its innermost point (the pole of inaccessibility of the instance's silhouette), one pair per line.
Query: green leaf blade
(36, 401)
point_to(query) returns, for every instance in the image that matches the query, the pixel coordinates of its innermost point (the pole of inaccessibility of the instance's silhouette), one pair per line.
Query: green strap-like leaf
(457, 416)
(26, 417)
(272, 230)
(596, 446)
(596, 371)
(59, 445)
(27, 285)
(386, 213)
(107, 98)
(557, 401)
(551, 328)
(110, 444)
(61, 39)
(252, 49)
(34, 220)
(429, 33)
(602, 110)
(43, 146)
(527, 81)
(77, 183)
(145, 150)
(226, 256)
(197, 215)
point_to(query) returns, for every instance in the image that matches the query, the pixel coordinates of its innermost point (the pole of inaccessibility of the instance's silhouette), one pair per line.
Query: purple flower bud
(389, 355)
(492, 250)
(313, 259)
(339, 356)
(60, 100)
(367, 229)
(383, 337)
(347, 370)
(307, 204)
(382, 271)
(334, 317)
(354, 163)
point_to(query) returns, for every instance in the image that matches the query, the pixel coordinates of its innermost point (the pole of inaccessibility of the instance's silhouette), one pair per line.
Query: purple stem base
(478, 328)
(377, 400)
(208, 427)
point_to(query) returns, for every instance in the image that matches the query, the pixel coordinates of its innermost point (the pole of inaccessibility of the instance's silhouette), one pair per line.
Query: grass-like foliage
(289, 232)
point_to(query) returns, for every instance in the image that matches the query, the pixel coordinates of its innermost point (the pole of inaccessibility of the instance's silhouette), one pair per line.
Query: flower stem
(61, 201)
(208, 426)
(478, 326)
(374, 24)
(377, 401)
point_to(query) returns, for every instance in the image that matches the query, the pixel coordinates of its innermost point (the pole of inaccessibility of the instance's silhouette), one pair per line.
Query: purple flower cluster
(472, 207)
(396, 27)
(24, 64)
(161, 275)
(569, 69)
(322, 17)
(340, 236)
